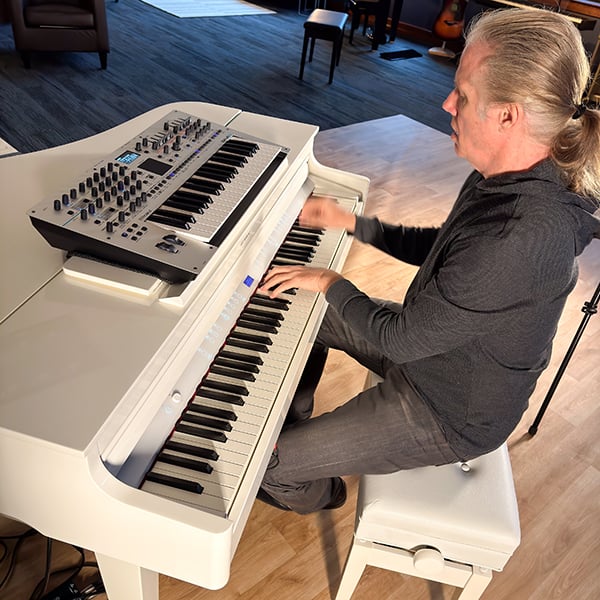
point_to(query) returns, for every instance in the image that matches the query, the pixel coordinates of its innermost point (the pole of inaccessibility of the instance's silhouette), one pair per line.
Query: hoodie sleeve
(408, 244)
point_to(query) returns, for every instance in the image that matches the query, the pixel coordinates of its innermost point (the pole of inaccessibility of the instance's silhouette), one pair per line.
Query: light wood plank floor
(414, 179)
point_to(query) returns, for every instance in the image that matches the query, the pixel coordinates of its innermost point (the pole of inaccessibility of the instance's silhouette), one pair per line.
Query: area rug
(208, 8)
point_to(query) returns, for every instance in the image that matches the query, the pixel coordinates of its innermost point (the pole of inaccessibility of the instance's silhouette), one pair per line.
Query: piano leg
(124, 581)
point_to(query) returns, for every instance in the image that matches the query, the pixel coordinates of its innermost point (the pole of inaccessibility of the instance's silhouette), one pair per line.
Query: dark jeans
(383, 429)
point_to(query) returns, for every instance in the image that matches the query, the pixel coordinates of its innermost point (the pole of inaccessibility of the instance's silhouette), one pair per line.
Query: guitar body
(449, 24)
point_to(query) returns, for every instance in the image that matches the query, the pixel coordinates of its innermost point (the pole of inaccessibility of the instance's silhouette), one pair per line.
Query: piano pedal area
(204, 459)
(35, 567)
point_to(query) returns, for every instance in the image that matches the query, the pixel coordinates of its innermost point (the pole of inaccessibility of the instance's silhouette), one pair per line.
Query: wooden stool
(454, 524)
(324, 25)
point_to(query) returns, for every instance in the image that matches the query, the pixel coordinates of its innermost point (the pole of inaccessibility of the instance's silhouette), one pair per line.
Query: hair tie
(579, 110)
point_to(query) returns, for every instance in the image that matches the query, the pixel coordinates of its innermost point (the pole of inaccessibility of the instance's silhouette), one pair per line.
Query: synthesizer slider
(164, 201)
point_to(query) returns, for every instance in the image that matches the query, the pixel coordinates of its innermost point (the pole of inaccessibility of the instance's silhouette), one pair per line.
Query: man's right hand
(322, 212)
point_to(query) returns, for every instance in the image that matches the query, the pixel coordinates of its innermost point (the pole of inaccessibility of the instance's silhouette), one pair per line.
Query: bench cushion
(469, 517)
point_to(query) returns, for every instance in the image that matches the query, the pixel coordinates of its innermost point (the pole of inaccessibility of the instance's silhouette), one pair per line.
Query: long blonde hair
(539, 61)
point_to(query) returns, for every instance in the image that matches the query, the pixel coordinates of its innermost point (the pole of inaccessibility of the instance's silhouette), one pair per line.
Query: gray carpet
(249, 62)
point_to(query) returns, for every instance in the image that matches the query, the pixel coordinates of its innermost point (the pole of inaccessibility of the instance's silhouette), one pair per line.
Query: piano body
(100, 364)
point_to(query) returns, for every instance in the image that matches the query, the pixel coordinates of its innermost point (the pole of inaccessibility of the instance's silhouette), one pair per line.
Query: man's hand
(323, 212)
(281, 279)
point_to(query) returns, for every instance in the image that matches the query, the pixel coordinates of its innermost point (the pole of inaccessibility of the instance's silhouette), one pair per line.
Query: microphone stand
(589, 308)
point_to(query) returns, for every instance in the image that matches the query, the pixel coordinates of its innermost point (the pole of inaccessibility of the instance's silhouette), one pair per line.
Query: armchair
(59, 25)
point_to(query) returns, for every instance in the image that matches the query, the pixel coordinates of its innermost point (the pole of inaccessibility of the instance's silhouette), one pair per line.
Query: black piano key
(257, 325)
(240, 147)
(212, 175)
(303, 238)
(207, 453)
(278, 303)
(225, 169)
(303, 255)
(197, 419)
(183, 205)
(261, 348)
(236, 364)
(207, 434)
(168, 221)
(212, 411)
(229, 159)
(250, 337)
(186, 463)
(248, 358)
(237, 390)
(259, 313)
(220, 396)
(201, 185)
(190, 195)
(175, 482)
(233, 373)
(172, 214)
(302, 228)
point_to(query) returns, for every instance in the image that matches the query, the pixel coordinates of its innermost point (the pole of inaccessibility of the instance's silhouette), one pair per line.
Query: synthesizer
(163, 201)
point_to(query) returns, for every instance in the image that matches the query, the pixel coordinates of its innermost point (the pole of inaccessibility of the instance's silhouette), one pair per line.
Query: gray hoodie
(478, 320)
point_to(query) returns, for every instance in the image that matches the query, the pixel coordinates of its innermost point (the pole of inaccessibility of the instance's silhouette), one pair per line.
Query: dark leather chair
(59, 26)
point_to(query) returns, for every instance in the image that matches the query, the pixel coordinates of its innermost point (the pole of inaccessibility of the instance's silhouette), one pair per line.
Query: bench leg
(476, 584)
(304, 48)
(353, 570)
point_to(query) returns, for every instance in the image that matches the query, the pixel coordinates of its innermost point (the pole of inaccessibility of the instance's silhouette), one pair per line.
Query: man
(461, 356)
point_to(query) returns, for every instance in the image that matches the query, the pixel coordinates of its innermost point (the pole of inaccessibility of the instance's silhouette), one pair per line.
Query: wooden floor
(414, 179)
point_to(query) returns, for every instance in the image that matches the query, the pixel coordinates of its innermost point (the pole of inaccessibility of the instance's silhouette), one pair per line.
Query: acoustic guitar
(449, 23)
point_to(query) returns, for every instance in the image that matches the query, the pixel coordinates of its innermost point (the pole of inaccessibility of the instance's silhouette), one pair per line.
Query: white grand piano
(128, 423)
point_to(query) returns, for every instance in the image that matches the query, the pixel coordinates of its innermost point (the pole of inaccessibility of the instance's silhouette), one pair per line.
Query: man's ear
(510, 115)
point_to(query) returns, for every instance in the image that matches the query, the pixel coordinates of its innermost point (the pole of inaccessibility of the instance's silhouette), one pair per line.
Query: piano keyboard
(204, 460)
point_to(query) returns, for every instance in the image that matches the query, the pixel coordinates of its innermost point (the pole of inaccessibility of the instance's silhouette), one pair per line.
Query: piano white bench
(454, 524)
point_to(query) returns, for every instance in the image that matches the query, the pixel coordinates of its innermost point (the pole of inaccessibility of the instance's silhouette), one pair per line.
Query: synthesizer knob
(126, 180)
(144, 196)
(121, 215)
(89, 182)
(138, 201)
(83, 213)
(166, 150)
(132, 189)
(113, 190)
(106, 196)
(82, 186)
(126, 195)
(132, 206)
(99, 202)
(94, 192)
(138, 146)
(119, 200)
(134, 175)
(57, 205)
(120, 186)
(138, 184)
(121, 171)
(109, 166)
(91, 209)
(115, 176)
(154, 145)
(109, 227)
(96, 177)
(101, 186)
(102, 171)
(144, 141)
(166, 125)
(65, 199)
(73, 193)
